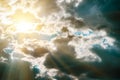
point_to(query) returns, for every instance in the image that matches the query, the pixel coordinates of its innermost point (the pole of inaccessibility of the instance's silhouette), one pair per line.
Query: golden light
(23, 21)
(24, 26)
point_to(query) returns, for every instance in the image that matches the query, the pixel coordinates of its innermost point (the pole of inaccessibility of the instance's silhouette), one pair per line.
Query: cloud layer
(71, 40)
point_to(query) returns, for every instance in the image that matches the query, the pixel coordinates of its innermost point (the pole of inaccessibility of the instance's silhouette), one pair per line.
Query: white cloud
(52, 15)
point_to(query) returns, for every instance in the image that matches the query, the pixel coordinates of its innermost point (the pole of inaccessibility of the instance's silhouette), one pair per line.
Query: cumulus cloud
(66, 42)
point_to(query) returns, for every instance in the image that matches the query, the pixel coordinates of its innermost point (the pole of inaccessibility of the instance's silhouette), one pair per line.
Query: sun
(24, 26)
(23, 21)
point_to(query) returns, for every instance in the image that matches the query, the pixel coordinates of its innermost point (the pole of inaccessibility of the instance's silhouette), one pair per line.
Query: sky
(59, 39)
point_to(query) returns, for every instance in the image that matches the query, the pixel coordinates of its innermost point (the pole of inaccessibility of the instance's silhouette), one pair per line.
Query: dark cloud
(110, 58)
(77, 23)
(96, 15)
(100, 12)
(37, 52)
(64, 59)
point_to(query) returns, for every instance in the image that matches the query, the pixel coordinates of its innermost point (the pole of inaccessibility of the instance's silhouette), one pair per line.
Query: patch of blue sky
(8, 50)
(48, 37)
(104, 43)
(52, 36)
(36, 69)
(80, 33)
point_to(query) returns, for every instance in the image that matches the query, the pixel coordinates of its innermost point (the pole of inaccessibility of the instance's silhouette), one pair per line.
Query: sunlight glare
(24, 26)
(24, 21)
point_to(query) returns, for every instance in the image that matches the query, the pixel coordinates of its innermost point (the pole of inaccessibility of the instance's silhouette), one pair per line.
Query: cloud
(109, 57)
(4, 43)
(77, 52)
(72, 41)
